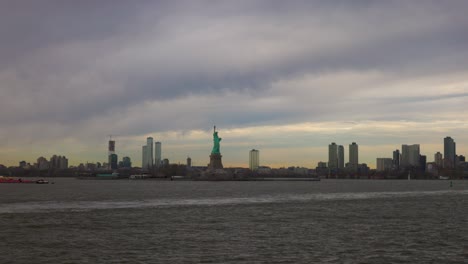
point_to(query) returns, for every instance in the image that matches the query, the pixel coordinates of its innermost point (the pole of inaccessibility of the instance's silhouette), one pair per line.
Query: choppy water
(332, 221)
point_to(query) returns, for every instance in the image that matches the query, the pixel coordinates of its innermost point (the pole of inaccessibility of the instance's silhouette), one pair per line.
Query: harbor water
(148, 221)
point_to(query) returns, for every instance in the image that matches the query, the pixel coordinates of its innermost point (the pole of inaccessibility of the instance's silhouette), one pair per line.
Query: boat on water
(13, 180)
(42, 181)
(139, 176)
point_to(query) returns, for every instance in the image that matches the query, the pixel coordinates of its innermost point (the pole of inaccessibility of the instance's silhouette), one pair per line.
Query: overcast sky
(285, 77)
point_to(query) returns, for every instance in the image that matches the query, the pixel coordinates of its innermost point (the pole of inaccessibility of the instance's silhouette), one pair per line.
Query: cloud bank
(374, 72)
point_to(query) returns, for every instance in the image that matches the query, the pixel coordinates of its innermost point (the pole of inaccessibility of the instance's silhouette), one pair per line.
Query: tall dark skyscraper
(340, 157)
(449, 152)
(438, 159)
(422, 162)
(353, 156)
(333, 156)
(111, 151)
(396, 159)
(157, 154)
(113, 164)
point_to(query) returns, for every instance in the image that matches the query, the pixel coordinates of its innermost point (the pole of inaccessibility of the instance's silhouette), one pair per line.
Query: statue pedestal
(215, 162)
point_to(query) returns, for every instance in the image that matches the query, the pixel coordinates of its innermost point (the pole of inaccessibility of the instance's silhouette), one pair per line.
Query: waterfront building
(321, 164)
(410, 155)
(384, 164)
(353, 156)
(422, 162)
(254, 159)
(58, 162)
(340, 157)
(42, 163)
(431, 167)
(449, 152)
(157, 154)
(396, 159)
(189, 162)
(111, 147)
(54, 162)
(438, 159)
(111, 150)
(113, 164)
(321, 168)
(90, 166)
(63, 162)
(363, 169)
(144, 160)
(149, 155)
(126, 162)
(333, 156)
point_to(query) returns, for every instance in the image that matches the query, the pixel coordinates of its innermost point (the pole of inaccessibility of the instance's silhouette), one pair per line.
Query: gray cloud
(87, 67)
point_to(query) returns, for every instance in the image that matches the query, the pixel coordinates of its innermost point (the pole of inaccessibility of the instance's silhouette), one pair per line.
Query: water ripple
(54, 206)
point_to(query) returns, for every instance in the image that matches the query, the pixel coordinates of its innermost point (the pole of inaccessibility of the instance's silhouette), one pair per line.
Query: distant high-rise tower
(449, 152)
(149, 150)
(410, 155)
(111, 151)
(254, 159)
(333, 156)
(157, 154)
(111, 146)
(113, 161)
(438, 159)
(422, 162)
(189, 162)
(396, 159)
(353, 156)
(340, 157)
(144, 159)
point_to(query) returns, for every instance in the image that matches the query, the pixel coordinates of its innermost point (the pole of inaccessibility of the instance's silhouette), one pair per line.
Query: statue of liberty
(216, 140)
(215, 157)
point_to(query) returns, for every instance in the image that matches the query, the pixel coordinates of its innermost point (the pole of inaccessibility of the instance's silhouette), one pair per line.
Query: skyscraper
(254, 159)
(438, 159)
(422, 162)
(410, 155)
(449, 152)
(113, 161)
(353, 156)
(149, 150)
(333, 156)
(157, 154)
(111, 151)
(340, 157)
(144, 159)
(396, 159)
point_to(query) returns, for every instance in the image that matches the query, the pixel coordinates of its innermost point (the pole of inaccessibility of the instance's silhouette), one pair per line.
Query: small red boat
(13, 180)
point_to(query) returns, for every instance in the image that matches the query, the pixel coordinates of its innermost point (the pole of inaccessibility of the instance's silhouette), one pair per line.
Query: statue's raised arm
(216, 140)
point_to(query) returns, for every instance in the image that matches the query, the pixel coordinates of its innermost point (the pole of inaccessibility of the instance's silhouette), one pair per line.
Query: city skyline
(410, 157)
(284, 78)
